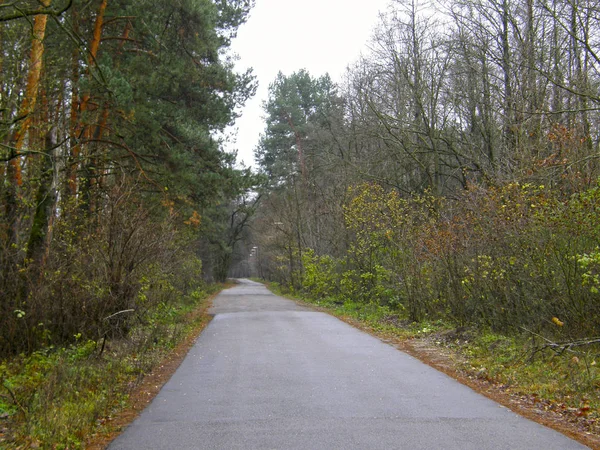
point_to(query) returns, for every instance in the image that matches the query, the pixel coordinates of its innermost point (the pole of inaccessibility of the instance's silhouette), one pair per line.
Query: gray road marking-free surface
(269, 374)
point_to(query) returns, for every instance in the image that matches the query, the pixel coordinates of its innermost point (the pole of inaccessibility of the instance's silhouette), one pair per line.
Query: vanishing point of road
(269, 374)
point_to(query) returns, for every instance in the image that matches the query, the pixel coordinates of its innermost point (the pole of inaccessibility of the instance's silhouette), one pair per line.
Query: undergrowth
(558, 379)
(56, 397)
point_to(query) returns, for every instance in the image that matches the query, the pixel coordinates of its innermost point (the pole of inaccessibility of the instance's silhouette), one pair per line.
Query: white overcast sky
(322, 36)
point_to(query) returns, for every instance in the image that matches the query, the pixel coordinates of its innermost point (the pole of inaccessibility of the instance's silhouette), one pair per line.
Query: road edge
(143, 394)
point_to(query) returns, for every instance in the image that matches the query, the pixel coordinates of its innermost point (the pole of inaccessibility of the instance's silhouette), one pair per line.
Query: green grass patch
(571, 379)
(56, 397)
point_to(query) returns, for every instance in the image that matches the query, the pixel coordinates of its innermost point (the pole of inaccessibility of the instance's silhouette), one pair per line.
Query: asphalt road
(269, 374)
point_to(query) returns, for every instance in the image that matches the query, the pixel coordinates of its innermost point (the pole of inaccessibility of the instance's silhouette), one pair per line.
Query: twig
(14, 398)
(560, 347)
(103, 344)
(120, 312)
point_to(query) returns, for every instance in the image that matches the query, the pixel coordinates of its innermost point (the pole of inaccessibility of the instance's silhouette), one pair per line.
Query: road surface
(269, 374)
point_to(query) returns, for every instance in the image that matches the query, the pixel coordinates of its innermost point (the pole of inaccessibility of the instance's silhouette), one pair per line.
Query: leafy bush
(97, 279)
(502, 257)
(319, 277)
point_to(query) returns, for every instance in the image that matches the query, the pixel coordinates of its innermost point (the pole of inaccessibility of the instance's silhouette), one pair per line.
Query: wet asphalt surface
(269, 374)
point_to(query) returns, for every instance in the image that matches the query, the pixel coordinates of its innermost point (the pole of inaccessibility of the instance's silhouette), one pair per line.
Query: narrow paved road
(269, 374)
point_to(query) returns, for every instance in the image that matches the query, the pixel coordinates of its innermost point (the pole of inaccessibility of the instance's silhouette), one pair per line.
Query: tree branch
(22, 13)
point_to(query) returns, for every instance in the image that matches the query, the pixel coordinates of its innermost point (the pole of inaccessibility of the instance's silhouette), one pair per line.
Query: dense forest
(452, 175)
(116, 191)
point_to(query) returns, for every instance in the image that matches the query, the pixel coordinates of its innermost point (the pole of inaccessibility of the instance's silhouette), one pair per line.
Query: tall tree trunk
(83, 130)
(532, 103)
(488, 125)
(557, 71)
(581, 69)
(74, 115)
(94, 46)
(25, 115)
(509, 106)
(298, 145)
(33, 80)
(45, 199)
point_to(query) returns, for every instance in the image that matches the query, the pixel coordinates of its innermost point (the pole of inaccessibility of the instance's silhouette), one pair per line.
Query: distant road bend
(269, 374)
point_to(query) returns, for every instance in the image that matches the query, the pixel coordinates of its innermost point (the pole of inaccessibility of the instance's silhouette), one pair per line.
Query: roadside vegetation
(59, 397)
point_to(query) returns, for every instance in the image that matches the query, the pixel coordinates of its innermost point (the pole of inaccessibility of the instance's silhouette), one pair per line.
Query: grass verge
(80, 396)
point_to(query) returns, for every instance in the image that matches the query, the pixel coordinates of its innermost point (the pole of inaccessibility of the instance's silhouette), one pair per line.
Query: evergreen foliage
(111, 164)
